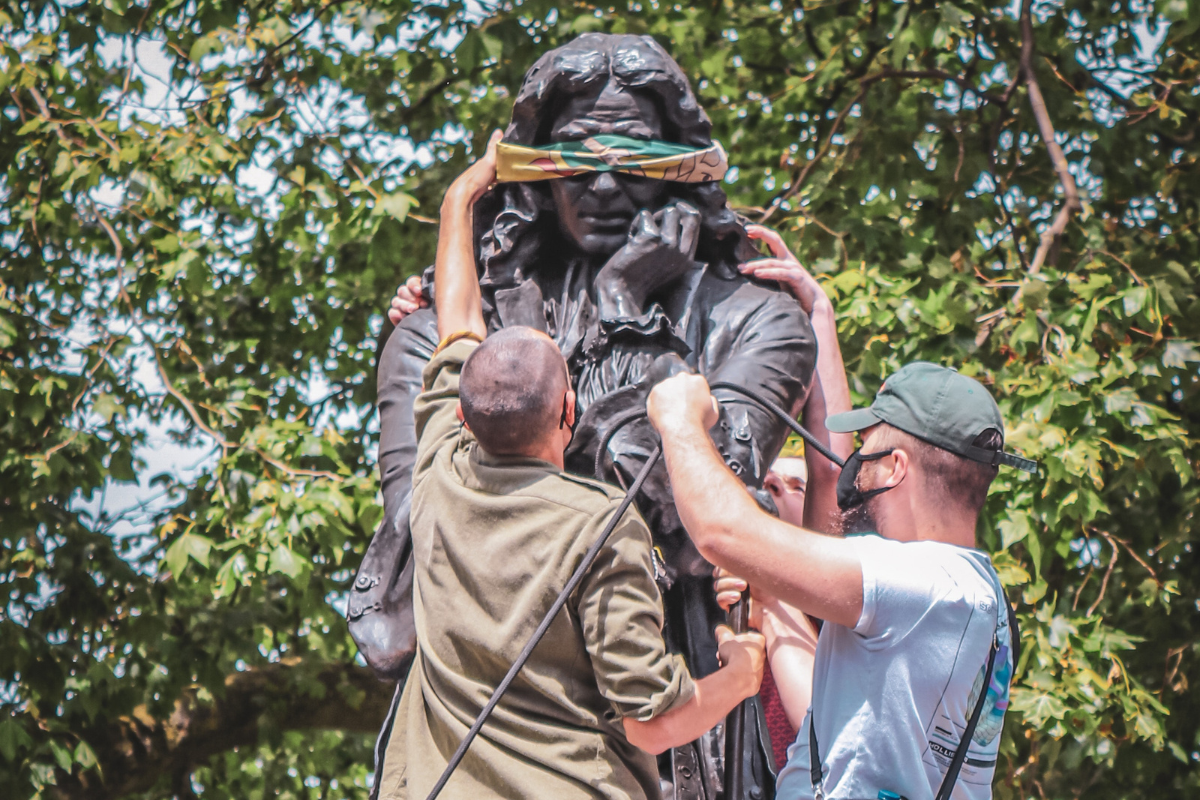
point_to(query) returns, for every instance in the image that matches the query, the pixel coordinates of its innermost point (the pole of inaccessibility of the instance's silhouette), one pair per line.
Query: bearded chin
(860, 519)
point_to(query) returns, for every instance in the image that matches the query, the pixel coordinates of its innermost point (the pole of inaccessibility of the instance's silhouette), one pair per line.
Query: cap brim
(850, 421)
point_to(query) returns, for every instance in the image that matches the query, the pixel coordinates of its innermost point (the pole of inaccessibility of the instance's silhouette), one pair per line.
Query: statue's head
(600, 84)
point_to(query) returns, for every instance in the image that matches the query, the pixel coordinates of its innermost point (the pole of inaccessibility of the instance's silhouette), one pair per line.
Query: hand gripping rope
(737, 614)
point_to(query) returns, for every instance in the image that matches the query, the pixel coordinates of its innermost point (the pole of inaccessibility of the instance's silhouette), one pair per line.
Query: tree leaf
(1178, 353)
(13, 738)
(188, 546)
(285, 561)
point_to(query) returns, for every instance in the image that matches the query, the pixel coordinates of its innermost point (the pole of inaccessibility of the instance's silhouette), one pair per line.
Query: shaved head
(511, 390)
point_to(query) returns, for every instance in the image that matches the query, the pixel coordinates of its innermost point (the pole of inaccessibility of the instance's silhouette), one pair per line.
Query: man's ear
(458, 413)
(900, 466)
(570, 400)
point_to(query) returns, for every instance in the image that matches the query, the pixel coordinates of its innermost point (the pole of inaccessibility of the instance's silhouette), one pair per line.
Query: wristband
(457, 336)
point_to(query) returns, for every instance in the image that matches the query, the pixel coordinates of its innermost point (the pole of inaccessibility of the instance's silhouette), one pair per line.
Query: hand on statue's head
(477, 178)
(408, 299)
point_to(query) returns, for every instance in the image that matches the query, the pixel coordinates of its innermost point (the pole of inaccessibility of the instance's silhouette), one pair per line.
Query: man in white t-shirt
(913, 612)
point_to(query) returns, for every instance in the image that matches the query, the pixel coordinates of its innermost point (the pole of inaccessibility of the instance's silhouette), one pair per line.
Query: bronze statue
(635, 279)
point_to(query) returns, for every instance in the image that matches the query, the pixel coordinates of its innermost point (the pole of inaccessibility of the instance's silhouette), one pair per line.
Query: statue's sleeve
(771, 350)
(654, 328)
(401, 363)
(618, 351)
(753, 337)
(379, 608)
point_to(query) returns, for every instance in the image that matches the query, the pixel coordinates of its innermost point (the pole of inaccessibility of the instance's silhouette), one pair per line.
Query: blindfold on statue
(664, 161)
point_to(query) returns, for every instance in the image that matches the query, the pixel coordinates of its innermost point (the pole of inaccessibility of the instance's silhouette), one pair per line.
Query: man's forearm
(716, 695)
(830, 395)
(456, 284)
(791, 651)
(819, 574)
(830, 367)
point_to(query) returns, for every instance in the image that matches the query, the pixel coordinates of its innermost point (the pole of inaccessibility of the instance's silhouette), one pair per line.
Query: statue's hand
(660, 250)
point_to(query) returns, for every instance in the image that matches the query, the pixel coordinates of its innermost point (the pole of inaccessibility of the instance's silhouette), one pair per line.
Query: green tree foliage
(207, 204)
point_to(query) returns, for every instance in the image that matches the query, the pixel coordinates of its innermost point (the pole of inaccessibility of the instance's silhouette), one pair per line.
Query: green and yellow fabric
(664, 161)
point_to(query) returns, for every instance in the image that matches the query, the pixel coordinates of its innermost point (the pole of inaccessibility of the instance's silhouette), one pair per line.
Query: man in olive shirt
(498, 527)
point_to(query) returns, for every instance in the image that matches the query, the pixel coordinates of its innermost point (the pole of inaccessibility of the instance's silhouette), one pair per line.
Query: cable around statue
(618, 242)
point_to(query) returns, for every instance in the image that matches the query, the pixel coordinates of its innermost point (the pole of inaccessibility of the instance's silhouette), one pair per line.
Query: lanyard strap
(814, 757)
(960, 755)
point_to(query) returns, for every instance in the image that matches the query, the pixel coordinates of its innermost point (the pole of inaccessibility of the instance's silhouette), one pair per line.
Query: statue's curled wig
(512, 223)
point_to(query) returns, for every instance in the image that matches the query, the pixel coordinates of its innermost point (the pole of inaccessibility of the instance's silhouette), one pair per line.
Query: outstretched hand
(408, 299)
(456, 284)
(785, 268)
(466, 190)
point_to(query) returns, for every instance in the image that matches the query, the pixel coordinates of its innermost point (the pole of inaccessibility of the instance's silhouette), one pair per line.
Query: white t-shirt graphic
(892, 697)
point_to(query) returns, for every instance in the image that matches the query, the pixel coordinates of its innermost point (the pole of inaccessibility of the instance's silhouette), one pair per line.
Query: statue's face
(595, 209)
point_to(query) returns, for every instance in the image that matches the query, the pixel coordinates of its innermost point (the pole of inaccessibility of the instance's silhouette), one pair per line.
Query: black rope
(616, 425)
(786, 417)
(559, 602)
(635, 414)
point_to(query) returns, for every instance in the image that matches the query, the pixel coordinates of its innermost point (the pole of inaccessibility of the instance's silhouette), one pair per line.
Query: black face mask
(848, 494)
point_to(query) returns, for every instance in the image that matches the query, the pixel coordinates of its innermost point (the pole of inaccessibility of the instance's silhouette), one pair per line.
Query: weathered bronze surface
(628, 304)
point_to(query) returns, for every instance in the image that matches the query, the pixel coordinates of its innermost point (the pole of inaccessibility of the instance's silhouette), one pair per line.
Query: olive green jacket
(494, 541)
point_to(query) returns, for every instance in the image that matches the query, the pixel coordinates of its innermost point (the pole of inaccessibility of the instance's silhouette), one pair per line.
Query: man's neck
(922, 520)
(552, 453)
(547, 451)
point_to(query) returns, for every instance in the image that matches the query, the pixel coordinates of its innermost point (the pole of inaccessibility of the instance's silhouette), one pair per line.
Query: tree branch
(864, 83)
(137, 751)
(799, 181)
(1107, 574)
(1071, 204)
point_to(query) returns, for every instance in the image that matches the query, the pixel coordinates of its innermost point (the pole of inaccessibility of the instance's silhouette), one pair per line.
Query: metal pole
(735, 723)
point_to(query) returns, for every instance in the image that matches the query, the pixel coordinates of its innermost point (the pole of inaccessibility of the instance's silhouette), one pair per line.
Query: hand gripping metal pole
(559, 602)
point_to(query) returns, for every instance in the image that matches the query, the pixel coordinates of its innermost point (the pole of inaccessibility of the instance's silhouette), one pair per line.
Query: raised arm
(830, 392)
(821, 575)
(456, 283)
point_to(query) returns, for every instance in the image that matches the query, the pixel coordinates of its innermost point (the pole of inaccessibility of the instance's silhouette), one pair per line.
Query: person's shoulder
(448, 359)
(928, 556)
(591, 487)
(970, 570)
(748, 301)
(577, 493)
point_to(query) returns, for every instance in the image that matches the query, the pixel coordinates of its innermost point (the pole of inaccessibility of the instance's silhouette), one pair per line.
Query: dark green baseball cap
(939, 406)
